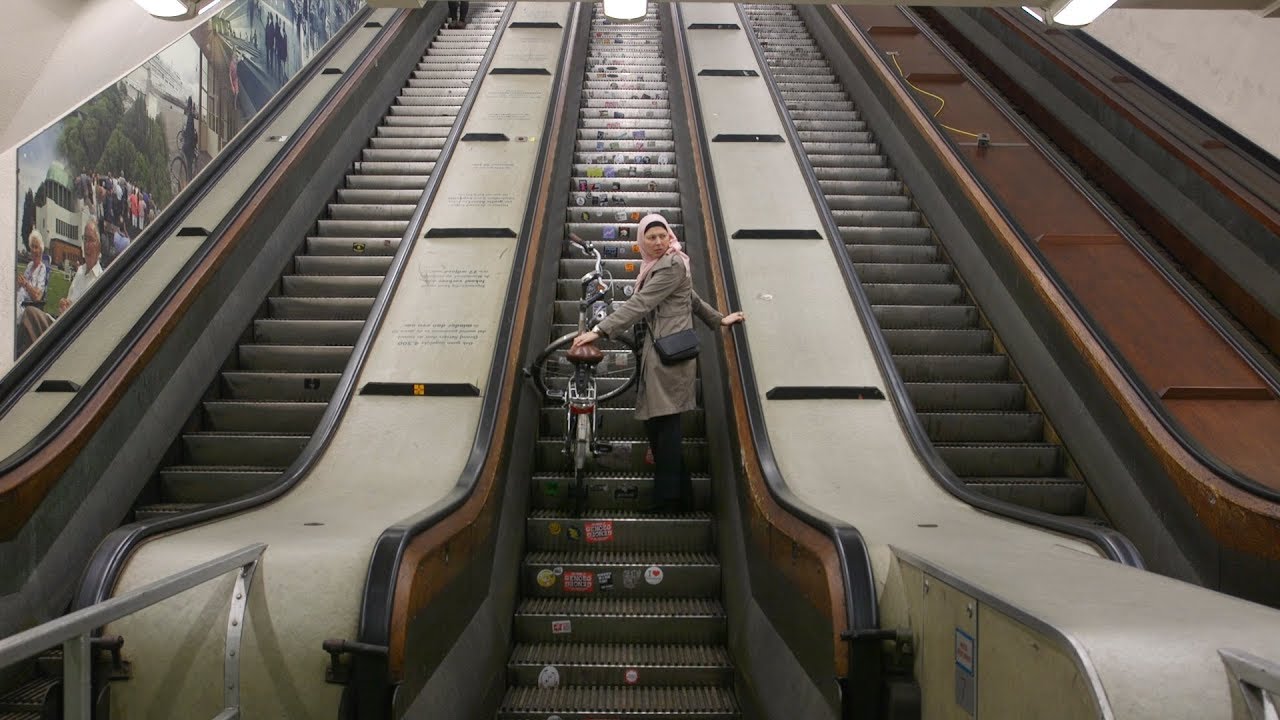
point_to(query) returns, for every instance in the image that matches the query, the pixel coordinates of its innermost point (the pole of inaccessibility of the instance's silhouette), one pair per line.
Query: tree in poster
(28, 215)
(109, 135)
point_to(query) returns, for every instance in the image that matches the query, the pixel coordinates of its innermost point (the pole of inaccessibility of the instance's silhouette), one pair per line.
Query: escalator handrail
(1112, 543)
(377, 605)
(1154, 405)
(112, 554)
(33, 364)
(858, 577)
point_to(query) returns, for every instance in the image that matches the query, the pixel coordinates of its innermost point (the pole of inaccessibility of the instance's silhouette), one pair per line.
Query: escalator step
(895, 253)
(294, 358)
(236, 449)
(258, 416)
(331, 286)
(984, 427)
(323, 265)
(905, 293)
(287, 386)
(1058, 496)
(319, 308)
(629, 665)
(36, 697)
(919, 317)
(952, 368)
(639, 620)
(161, 510)
(210, 484)
(555, 529)
(967, 396)
(1000, 460)
(620, 421)
(620, 575)
(582, 703)
(609, 491)
(352, 246)
(938, 341)
(627, 453)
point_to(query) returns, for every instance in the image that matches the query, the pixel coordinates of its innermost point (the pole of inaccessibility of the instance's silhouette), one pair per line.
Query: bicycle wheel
(551, 370)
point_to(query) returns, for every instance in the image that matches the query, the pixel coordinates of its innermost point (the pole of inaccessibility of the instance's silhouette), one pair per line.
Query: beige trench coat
(666, 301)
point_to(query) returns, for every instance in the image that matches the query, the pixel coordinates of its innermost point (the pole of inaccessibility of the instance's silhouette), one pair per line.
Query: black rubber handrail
(112, 554)
(1154, 404)
(861, 696)
(377, 604)
(33, 364)
(1112, 543)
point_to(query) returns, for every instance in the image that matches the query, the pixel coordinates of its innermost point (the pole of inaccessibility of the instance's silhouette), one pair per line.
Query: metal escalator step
(319, 308)
(608, 200)
(600, 171)
(587, 703)
(620, 575)
(356, 265)
(1008, 427)
(926, 317)
(640, 620)
(886, 235)
(41, 696)
(362, 228)
(938, 341)
(835, 136)
(878, 218)
(906, 293)
(289, 386)
(392, 168)
(352, 246)
(370, 213)
(1002, 460)
(627, 455)
(609, 215)
(657, 187)
(633, 124)
(869, 203)
(952, 368)
(331, 285)
(820, 125)
(159, 510)
(848, 162)
(609, 664)
(893, 253)
(837, 189)
(293, 358)
(553, 530)
(609, 491)
(388, 182)
(957, 397)
(258, 416)
(571, 289)
(408, 197)
(200, 485)
(620, 422)
(879, 172)
(310, 332)
(1058, 496)
(837, 149)
(417, 121)
(622, 134)
(239, 449)
(594, 232)
(914, 273)
(395, 155)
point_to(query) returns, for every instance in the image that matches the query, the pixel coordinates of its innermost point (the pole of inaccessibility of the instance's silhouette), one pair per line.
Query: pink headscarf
(648, 261)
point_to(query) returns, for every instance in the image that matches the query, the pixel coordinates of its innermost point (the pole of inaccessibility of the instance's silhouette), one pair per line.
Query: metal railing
(1258, 681)
(73, 631)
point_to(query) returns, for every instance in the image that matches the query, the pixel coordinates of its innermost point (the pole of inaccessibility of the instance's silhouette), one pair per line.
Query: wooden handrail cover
(1216, 393)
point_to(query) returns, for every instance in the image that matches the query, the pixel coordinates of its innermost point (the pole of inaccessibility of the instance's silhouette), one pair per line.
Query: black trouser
(666, 436)
(458, 10)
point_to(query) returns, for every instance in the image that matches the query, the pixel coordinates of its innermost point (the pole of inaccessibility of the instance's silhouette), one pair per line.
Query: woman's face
(656, 239)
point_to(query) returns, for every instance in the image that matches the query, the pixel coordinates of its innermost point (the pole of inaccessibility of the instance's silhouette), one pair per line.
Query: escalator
(260, 413)
(968, 396)
(620, 614)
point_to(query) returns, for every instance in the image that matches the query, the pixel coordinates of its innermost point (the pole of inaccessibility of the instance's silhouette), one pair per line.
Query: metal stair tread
(621, 655)
(616, 701)
(625, 557)
(620, 607)
(611, 514)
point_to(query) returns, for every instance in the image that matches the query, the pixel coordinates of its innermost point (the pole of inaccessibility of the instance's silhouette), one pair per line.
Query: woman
(665, 299)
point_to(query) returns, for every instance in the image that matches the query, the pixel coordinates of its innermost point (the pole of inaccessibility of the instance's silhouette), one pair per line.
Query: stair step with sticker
(577, 665)
(632, 531)
(647, 620)
(587, 703)
(604, 573)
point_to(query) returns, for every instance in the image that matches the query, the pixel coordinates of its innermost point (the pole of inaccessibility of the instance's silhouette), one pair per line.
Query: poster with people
(92, 182)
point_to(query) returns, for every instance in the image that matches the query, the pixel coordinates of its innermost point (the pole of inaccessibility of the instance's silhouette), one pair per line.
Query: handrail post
(77, 678)
(235, 631)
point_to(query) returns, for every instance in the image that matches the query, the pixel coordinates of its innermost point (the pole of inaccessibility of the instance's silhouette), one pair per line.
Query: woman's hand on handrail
(733, 318)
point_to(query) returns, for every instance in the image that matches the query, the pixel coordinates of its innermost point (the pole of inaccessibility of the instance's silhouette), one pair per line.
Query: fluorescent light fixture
(1081, 12)
(1073, 13)
(625, 10)
(177, 9)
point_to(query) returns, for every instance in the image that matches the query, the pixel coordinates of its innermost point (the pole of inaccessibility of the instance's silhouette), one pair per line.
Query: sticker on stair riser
(598, 532)
(631, 578)
(546, 578)
(549, 677)
(578, 581)
(604, 581)
(631, 676)
(554, 528)
(653, 575)
(561, 627)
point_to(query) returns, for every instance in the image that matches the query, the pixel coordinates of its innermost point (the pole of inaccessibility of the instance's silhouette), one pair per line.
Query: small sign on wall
(966, 677)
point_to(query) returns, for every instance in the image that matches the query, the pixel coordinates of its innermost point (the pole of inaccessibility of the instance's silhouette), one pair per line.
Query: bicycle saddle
(585, 355)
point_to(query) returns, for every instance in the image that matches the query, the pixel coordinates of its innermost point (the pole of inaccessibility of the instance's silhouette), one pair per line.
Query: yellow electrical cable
(939, 98)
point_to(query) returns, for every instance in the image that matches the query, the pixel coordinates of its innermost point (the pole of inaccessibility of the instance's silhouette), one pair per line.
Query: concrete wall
(1222, 60)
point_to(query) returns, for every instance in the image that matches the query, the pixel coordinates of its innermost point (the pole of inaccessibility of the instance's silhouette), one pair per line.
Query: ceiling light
(1073, 13)
(625, 10)
(177, 9)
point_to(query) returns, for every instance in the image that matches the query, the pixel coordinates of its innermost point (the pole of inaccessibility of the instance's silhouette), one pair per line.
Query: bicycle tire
(547, 373)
